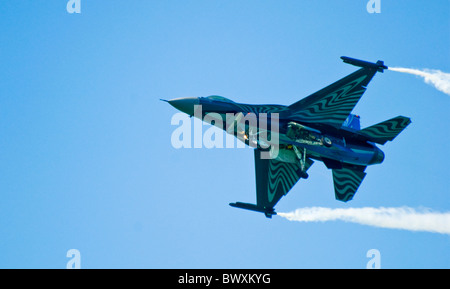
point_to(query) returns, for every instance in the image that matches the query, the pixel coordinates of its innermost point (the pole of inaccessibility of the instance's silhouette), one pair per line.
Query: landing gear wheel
(327, 142)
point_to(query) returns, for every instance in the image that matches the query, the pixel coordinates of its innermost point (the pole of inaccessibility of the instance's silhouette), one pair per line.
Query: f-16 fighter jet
(319, 127)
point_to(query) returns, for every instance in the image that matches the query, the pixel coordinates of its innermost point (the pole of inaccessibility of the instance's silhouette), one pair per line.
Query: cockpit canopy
(220, 98)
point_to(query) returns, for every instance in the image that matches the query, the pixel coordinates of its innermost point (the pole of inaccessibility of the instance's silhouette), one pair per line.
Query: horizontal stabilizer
(346, 183)
(386, 130)
(252, 207)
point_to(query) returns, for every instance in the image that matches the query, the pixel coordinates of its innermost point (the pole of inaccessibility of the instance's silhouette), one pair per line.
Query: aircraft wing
(333, 104)
(274, 179)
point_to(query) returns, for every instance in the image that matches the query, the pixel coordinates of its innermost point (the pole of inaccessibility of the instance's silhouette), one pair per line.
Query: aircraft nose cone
(185, 104)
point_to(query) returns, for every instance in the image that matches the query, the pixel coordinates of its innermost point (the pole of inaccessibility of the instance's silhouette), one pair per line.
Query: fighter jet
(319, 127)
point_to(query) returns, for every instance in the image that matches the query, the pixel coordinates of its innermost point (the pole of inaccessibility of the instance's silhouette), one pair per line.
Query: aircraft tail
(352, 122)
(386, 130)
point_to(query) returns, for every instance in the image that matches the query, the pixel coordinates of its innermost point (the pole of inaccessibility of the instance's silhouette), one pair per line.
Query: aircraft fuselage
(318, 141)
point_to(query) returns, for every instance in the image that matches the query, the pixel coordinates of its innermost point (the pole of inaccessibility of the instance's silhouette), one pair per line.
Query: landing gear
(327, 142)
(301, 155)
(304, 175)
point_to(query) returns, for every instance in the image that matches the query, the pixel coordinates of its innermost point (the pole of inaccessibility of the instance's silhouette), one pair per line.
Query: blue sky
(86, 160)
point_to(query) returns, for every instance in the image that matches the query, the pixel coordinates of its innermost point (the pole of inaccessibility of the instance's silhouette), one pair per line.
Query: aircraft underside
(297, 142)
(318, 127)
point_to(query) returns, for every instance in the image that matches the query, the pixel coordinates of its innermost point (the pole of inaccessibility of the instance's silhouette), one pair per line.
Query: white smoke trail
(393, 218)
(440, 80)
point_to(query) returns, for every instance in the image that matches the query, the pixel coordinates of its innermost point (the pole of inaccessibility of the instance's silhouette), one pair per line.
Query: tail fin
(352, 121)
(386, 130)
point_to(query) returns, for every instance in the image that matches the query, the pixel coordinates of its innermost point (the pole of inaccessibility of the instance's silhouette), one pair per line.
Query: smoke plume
(440, 80)
(403, 218)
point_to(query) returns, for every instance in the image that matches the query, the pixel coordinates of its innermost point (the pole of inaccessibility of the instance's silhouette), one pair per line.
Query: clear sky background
(86, 160)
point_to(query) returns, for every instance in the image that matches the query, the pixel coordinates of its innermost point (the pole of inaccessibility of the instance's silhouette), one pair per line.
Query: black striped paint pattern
(387, 130)
(346, 183)
(281, 178)
(334, 107)
(260, 108)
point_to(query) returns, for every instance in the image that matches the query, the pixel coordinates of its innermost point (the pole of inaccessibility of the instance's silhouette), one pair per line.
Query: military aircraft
(318, 127)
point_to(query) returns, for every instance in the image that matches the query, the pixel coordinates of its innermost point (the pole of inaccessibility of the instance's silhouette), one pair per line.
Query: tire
(304, 175)
(327, 142)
